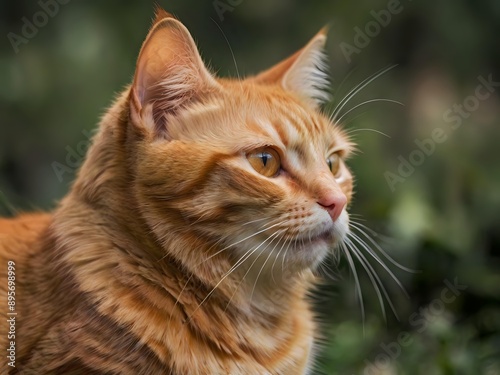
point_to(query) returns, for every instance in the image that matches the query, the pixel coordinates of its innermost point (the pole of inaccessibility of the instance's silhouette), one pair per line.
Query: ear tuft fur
(304, 73)
(308, 76)
(161, 14)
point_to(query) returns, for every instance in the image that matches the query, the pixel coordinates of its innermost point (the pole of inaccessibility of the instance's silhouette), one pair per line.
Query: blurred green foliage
(443, 219)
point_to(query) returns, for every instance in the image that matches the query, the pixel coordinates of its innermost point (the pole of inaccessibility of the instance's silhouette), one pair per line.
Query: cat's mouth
(325, 237)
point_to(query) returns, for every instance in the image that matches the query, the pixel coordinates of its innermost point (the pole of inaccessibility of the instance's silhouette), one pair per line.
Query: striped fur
(171, 254)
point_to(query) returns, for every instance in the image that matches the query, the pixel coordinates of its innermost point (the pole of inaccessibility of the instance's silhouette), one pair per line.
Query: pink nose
(333, 203)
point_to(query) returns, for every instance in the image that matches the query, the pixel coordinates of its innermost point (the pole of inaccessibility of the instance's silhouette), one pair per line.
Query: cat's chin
(310, 252)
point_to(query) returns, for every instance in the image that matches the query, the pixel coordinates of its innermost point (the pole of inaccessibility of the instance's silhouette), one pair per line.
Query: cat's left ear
(169, 75)
(303, 73)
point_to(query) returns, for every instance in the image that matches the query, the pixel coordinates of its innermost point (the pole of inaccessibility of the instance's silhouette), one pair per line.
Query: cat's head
(250, 165)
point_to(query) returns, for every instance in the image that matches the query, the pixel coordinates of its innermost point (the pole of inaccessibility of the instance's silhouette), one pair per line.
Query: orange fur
(170, 254)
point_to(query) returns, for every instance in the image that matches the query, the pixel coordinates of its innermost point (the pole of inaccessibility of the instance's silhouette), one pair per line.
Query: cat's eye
(333, 162)
(265, 160)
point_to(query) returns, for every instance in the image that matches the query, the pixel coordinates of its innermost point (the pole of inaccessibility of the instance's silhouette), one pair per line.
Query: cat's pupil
(264, 158)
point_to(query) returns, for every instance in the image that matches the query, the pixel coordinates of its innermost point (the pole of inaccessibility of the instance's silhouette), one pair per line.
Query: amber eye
(333, 162)
(265, 160)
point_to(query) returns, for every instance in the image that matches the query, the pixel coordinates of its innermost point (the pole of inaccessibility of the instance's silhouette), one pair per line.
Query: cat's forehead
(285, 118)
(250, 117)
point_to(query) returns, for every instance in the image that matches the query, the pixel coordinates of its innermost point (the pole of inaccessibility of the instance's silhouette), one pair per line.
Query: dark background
(441, 217)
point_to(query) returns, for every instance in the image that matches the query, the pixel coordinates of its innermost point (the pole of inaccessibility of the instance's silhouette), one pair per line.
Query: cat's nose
(333, 203)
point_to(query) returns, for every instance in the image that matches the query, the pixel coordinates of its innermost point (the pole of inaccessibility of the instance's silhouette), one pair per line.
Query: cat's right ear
(303, 73)
(169, 75)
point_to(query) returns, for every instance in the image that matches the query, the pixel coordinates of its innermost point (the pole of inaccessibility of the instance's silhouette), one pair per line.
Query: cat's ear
(169, 74)
(303, 73)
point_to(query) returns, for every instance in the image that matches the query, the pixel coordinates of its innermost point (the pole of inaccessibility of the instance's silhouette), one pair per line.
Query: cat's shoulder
(22, 229)
(24, 224)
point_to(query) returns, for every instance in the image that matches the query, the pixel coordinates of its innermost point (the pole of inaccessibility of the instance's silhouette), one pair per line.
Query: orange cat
(187, 243)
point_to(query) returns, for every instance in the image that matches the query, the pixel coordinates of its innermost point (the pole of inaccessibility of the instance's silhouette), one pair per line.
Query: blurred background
(427, 173)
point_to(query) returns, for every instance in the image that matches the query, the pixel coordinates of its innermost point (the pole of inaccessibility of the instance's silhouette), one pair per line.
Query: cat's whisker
(282, 221)
(240, 261)
(368, 130)
(272, 238)
(199, 219)
(284, 257)
(276, 258)
(359, 293)
(171, 233)
(244, 276)
(369, 250)
(368, 102)
(359, 226)
(189, 279)
(374, 273)
(275, 235)
(352, 119)
(200, 263)
(242, 240)
(359, 221)
(357, 216)
(323, 266)
(253, 221)
(357, 89)
(230, 49)
(379, 261)
(213, 255)
(179, 296)
(265, 262)
(342, 83)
